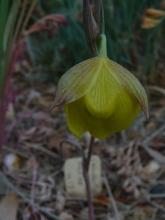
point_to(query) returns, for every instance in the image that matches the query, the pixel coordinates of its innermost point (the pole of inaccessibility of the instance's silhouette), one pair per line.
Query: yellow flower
(101, 97)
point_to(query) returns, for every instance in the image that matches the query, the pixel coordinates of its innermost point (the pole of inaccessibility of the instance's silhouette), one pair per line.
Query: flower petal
(126, 110)
(101, 98)
(80, 120)
(75, 116)
(130, 83)
(76, 82)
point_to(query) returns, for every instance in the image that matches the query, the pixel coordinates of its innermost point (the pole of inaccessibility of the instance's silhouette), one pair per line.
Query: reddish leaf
(50, 23)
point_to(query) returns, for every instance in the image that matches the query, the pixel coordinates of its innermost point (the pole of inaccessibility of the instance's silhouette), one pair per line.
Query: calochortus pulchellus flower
(100, 96)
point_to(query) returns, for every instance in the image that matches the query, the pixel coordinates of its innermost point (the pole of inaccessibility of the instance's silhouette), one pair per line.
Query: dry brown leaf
(148, 22)
(152, 18)
(47, 23)
(9, 207)
(102, 200)
(155, 13)
(57, 143)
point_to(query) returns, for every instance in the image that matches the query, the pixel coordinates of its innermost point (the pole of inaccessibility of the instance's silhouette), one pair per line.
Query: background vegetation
(128, 43)
(39, 41)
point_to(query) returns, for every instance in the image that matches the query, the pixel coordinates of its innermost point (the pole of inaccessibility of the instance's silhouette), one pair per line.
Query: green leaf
(4, 10)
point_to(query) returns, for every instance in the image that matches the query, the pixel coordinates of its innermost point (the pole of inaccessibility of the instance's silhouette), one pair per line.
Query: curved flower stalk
(100, 96)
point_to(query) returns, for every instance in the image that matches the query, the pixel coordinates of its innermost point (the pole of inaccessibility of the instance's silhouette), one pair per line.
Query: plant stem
(90, 25)
(86, 165)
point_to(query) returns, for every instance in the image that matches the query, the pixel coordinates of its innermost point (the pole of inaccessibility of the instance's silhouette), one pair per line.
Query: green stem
(102, 46)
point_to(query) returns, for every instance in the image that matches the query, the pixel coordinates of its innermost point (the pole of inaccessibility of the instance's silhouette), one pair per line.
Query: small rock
(12, 162)
(66, 216)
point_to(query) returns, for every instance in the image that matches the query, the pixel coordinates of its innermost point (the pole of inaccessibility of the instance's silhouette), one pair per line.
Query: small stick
(34, 179)
(153, 135)
(114, 205)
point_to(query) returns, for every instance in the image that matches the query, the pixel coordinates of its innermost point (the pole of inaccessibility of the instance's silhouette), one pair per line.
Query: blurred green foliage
(12, 23)
(8, 14)
(128, 43)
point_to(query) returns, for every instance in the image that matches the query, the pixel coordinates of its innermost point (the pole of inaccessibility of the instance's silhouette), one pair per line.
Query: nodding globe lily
(100, 96)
